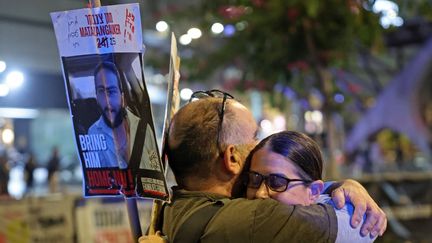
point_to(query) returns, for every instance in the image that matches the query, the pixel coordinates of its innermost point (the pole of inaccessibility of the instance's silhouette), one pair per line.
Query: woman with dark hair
(287, 166)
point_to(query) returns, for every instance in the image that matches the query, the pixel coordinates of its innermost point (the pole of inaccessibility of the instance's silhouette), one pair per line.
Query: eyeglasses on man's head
(217, 94)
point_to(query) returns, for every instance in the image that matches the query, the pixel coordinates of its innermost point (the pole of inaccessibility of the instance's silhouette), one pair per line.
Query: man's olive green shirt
(259, 220)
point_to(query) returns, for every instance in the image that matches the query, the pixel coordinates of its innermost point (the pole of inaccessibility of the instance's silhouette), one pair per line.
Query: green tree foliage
(280, 36)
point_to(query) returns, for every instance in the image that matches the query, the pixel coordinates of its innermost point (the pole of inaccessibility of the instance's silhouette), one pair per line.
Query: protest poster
(173, 96)
(101, 51)
(172, 106)
(106, 220)
(37, 220)
(51, 219)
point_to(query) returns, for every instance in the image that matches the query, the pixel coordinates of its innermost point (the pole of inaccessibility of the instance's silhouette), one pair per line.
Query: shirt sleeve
(346, 233)
(327, 184)
(266, 220)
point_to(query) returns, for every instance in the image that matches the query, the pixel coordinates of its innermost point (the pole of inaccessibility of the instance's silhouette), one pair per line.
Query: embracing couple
(233, 189)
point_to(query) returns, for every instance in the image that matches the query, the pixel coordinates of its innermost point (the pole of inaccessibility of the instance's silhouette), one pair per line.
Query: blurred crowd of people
(387, 151)
(10, 158)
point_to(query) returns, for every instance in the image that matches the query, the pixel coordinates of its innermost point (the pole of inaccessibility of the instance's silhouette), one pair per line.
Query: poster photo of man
(111, 116)
(108, 100)
(112, 128)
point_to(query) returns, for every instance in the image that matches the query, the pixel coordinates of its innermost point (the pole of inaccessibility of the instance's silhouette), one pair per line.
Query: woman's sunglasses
(274, 182)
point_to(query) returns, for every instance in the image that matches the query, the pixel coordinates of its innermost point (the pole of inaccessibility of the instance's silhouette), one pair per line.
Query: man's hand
(354, 192)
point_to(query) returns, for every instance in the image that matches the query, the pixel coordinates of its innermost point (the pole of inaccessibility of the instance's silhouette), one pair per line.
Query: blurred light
(266, 125)
(194, 33)
(18, 113)
(385, 22)
(308, 116)
(317, 116)
(241, 25)
(186, 93)
(384, 6)
(14, 79)
(217, 28)
(4, 90)
(40, 175)
(161, 26)
(2, 66)
(16, 186)
(398, 21)
(229, 30)
(389, 13)
(310, 127)
(279, 123)
(185, 39)
(339, 98)
(8, 136)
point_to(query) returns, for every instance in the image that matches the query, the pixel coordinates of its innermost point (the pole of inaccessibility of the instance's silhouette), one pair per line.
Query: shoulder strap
(193, 228)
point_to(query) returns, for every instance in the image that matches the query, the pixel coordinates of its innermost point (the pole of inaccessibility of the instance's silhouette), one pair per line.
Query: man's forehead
(106, 78)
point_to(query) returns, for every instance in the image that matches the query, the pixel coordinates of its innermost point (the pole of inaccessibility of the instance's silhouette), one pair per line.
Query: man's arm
(352, 191)
(265, 220)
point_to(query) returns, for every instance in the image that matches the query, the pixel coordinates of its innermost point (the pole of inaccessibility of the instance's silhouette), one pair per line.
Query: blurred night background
(353, 74)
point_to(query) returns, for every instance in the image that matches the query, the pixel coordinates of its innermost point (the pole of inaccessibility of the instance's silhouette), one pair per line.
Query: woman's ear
(232, 160)
(316, 188)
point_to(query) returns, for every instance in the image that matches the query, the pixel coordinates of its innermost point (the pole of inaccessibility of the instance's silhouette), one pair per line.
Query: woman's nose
(262, 191)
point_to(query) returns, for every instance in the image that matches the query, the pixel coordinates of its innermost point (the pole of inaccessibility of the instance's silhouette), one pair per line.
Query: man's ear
(232, 160)
(316, 187)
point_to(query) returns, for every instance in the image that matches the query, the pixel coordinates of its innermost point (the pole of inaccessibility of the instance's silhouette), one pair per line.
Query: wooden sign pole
(95, 3)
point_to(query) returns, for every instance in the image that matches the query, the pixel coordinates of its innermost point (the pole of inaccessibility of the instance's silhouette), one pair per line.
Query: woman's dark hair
(298, 148)
(295, 146)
